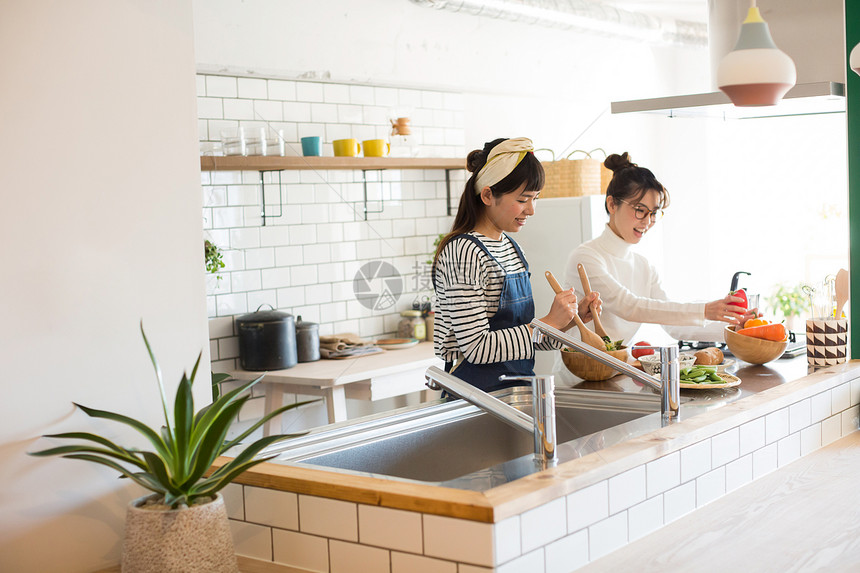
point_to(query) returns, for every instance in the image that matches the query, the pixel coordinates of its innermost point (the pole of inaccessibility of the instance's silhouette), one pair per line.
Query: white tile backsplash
(252, 540)
(710, 486)
(821, 404)
(776, 426)
(328, 517)
(765, 460)
(752, 435)
(725, 447)
(390, 528)
(831, 429)
(739, 472)
(567, 554)
(645, 517)
(663, 474)
(458, 540)
(299, 550)
(607, 535)
(543, 524)
(799, 415)
(788, 449)
(679, 501)
(355, 558)
(588, 505)
(695, 460)
(626, 489)
(270, 507)
(406, 563)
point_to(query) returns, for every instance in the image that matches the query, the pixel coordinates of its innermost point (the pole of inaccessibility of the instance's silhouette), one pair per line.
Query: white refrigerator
(558, 226)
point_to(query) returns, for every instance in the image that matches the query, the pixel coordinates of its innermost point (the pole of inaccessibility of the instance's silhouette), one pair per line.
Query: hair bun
(617, 162)
(475, 160)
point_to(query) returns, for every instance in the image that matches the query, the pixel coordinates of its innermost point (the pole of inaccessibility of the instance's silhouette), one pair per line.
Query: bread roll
(709, 356)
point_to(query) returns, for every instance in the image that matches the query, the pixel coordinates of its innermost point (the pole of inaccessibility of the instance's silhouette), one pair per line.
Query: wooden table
(373, 377)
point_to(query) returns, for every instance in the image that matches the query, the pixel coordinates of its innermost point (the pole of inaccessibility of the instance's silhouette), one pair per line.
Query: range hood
(811, 33)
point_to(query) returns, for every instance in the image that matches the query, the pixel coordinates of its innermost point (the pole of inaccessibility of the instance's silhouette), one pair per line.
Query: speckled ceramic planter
(189, 540)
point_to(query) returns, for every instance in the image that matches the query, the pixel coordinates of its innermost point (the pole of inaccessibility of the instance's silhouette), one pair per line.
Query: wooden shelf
(265, 163)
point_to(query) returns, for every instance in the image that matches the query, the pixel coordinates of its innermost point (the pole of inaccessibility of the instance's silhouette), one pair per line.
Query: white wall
(100, 228)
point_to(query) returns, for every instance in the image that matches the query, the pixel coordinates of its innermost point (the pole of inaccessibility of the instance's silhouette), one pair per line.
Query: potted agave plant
(182, 525)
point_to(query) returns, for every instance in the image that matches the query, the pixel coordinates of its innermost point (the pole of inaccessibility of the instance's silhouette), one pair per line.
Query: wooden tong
(586, 287)
(587, 336)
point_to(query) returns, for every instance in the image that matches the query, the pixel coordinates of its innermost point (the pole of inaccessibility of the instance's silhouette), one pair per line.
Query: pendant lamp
(755, 72)
(854, 59)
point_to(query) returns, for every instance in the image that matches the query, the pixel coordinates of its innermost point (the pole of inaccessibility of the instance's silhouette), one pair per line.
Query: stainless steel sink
(456, 444)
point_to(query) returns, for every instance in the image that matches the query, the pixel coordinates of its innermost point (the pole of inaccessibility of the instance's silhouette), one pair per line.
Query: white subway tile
(645, 517)
(271, 507)
(385, 96)
(710, 486)
(253, 88)
(224, 365)
(253, 409)
(463, 568)
(362, 132)
(334, 311)
(209, 108)
(855, 392)
(303, 275)
(679, 501)
(299, 550)
(244, 281)
(252, 540)
(406, 563)
(810, 439)
(344, 251)
(316, 253)
(278, 277)
(350, 114)
(234, 502)
(213, 350)
(821, 406)
(269, 111)
(840, 398)
(752, 436)
(324, 113)
(228, 348)
(259, 258)
(799, 415)
(288, 256)
(372, 326)
(831, 429)
(335, 93)
(432, 99)
(301, 193)
(458, 539)
(221, 86)
(219, 128)
(318, 294)
(607, 535)
(201, 85)
(314, 214)
(376, 115)
(528, 563)
(281, 90)
(409, 98)
(390, 528)
(229, 304)
(291, 297)
(588, 505)
(544, 524)
(302, 235)
(239, 109)
(300, 112)
(211, 308)
(788, 449)
(238, 195)
(227, 217)
(626, 489)
(567, 554)
(725, 447)
(507, 539)
(695, 460)
(452, 100)
(362, 95)
(739, 472)
(244, 238)
(776, 425)
(328, 517)
(850, 420)
(764, 460)
(330, 233)
(221, 327)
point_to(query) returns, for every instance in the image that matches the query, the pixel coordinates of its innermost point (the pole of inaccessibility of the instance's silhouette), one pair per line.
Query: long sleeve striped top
(468, 287)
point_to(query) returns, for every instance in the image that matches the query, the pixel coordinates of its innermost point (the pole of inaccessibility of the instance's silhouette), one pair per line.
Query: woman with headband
(627, 281)
(481, 278)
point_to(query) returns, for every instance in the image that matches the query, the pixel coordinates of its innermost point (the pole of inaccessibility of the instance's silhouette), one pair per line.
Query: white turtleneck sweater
(631, 292)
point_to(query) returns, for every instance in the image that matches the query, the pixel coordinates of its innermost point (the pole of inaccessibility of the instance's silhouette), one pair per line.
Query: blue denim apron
(516, 307)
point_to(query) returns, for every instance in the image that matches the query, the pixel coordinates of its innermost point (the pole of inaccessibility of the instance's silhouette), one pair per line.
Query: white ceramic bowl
(651, 362)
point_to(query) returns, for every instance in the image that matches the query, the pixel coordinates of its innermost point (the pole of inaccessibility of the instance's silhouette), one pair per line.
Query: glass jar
(412, 325)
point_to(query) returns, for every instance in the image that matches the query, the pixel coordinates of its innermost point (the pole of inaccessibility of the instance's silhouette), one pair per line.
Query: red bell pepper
(740, 293)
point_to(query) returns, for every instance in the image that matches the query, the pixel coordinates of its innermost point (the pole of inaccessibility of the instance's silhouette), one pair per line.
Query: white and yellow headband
(501, 162)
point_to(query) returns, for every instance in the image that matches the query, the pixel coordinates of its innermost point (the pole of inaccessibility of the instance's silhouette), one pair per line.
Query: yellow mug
(346, 147)
(376, 148)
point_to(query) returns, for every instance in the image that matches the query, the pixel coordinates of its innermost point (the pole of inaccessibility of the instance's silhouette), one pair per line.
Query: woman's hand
(593, 298)
(722, 310)
(562, 310)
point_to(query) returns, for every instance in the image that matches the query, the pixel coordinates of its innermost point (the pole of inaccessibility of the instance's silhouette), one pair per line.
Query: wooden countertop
(802, 517)
(327, 373)
(513, 498)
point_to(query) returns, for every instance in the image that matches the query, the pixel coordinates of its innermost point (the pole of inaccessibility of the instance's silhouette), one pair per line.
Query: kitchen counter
(781, 412)
(373, 377)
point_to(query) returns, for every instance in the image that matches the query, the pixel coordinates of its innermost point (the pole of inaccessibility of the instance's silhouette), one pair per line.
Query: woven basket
(575, 177)
(587, 368)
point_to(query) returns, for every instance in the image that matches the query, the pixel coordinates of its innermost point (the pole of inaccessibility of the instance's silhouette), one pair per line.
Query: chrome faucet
(541, 424)
(668, 385)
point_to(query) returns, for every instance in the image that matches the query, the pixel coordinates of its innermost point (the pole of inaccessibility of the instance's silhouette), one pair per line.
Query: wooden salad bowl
(583, 366)
(753, 350)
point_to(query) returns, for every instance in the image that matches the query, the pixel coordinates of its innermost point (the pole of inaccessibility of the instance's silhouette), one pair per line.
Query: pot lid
(303, 325)
(270, 315)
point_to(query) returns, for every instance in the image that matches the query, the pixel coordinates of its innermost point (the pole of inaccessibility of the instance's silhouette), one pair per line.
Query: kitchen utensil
(753, 350)
(586, 288)
(584, 366)
(587, 336)
(841, 292)
(307, 340)
(267, 340)
(651, 362)
(729, 381)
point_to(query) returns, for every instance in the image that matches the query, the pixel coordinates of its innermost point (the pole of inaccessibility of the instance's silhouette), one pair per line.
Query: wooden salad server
(587, 336)
(586, 288)
(842, 290)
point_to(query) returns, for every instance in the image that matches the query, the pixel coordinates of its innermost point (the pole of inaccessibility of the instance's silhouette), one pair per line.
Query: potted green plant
(213, 256)
(789, 301)
(182, 525)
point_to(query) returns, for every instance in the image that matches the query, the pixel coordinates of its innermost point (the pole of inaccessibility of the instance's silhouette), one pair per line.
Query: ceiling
(689, 10)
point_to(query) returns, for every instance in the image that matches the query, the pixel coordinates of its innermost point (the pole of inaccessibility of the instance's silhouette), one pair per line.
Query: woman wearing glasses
(627, 282)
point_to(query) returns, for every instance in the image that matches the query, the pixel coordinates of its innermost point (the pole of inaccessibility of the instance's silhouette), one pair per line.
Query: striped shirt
(468, 287)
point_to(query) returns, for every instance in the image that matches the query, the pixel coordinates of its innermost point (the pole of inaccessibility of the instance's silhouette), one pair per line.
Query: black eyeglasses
(640, 211)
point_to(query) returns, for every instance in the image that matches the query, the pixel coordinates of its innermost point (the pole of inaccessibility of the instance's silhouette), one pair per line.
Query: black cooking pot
(267, 340)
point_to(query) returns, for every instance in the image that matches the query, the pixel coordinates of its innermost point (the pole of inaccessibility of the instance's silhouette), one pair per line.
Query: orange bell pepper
(775, 332)
(755, 322)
